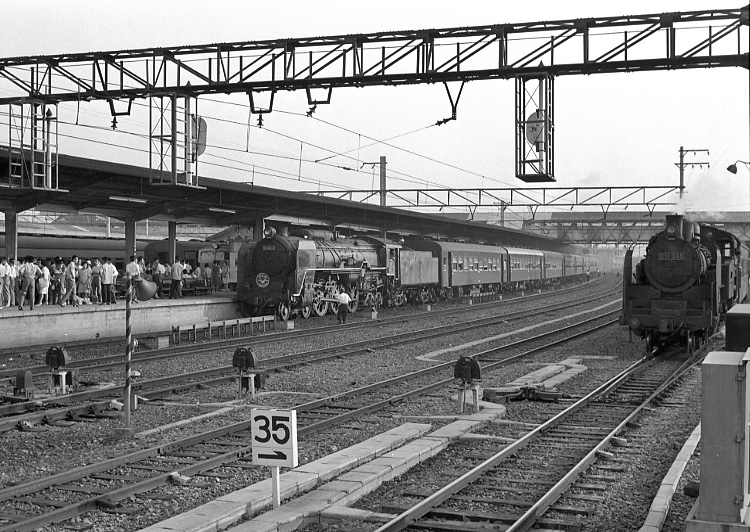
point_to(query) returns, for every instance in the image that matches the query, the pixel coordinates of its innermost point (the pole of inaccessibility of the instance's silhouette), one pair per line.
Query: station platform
(56, 325)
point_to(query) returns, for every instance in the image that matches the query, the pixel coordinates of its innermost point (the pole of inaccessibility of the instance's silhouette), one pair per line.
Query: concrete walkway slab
(228, 509)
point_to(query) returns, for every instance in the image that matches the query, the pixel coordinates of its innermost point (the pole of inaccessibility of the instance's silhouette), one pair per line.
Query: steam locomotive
(303, 274)
(690, 276)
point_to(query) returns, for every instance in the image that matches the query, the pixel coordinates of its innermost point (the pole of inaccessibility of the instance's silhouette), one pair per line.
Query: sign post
(274, 443)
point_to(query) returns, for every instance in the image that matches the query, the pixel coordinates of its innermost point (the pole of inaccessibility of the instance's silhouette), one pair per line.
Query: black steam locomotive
(691, 275)
(303, 274)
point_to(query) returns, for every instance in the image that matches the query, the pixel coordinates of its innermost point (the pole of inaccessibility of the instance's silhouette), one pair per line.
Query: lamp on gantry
(733, 167)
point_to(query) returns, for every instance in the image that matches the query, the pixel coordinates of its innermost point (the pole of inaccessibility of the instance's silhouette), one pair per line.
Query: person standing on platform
(44, 282)
(70, 276)
(157, 274)
(96, 282)
(224, 276)
(109, 276)
(216, 276)
(4, 298)
(29, 271)
(133, 270)
(84, 281)
(175, 286)
(344, 301)
(13, 274)
(198, 274)
(206, 274)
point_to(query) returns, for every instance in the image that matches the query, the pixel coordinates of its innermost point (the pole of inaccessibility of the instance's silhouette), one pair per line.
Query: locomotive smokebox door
(57, 357)
(467, 369)
(243, 359)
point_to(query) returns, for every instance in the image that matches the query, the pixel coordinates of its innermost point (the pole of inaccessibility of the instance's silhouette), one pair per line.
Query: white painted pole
(275, 486)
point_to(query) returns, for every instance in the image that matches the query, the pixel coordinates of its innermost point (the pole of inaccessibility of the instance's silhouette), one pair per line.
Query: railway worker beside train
(4, 283)
(109, 278)
(175, 285)
(28, 271)
(344, 301)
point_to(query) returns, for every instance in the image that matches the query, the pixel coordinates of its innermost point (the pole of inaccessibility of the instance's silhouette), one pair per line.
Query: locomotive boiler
(305, 273)
(691, 274)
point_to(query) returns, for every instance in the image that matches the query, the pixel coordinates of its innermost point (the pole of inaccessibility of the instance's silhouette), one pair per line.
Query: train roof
(443, 246)
(524, 251)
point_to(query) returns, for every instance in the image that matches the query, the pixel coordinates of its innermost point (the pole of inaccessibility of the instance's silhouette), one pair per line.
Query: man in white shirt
(12, 274)
(29, 272)
(175, 286)
(134, 270)
(69, 278)
(4, 290)
(109, 277)
(344, 301)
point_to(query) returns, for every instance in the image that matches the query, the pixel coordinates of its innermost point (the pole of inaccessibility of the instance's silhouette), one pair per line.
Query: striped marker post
(128, 349)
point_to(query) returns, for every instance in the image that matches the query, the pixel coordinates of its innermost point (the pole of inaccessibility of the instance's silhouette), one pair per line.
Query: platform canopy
(88, 186)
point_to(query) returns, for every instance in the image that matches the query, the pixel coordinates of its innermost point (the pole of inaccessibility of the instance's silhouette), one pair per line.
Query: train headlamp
(671, 231)
(269, 232)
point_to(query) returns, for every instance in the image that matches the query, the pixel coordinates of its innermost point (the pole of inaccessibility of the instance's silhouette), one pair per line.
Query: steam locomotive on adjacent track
(302, 274)
(690, 276)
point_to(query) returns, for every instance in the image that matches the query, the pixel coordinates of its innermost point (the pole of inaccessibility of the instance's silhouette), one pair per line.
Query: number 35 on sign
(274, 437)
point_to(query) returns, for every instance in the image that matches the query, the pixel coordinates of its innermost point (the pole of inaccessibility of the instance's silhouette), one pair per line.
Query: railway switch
(250, 380)
(57, 358)
(467, 369)
(24, 386)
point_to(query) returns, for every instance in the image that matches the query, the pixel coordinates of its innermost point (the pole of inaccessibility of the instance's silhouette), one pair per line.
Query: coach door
(449, 277)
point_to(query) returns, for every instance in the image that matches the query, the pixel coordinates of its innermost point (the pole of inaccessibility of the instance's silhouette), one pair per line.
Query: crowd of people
(94, 281)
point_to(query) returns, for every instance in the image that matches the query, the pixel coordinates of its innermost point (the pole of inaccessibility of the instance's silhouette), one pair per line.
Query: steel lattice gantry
(665, 41)
(500, 198)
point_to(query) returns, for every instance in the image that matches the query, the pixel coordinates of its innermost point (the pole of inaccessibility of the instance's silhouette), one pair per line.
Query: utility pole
(682, 164)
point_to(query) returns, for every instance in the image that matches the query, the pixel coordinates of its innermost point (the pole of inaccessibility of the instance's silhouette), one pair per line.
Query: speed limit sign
(274, 437)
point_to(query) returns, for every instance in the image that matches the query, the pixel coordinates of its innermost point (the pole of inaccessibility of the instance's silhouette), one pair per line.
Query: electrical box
(724, 496)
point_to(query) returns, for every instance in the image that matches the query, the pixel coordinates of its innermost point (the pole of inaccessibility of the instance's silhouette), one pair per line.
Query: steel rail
(222, 374)
(272, 337)
(527, 520)
(192, 469)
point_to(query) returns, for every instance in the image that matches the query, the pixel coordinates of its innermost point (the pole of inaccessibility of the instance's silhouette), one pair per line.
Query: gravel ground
(28, 455)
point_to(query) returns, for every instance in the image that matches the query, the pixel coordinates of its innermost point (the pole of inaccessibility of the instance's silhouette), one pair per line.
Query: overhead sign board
(274, 434)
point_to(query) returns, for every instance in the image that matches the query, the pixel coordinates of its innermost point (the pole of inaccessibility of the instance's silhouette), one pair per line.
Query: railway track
(550, 474)
(94, 404)
(209, 346)
(110, 484)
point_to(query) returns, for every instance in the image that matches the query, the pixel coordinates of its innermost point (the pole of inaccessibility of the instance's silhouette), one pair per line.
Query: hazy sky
(610, 129)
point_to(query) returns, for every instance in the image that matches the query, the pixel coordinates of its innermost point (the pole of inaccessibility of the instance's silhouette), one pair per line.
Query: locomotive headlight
(269, 232)
(635, 324)
(671, 231)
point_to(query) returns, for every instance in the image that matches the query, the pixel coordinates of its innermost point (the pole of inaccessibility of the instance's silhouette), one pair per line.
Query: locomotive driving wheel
(284, 310)
(649, 343)
(399, 299)
(690, 343)
(354, 295)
